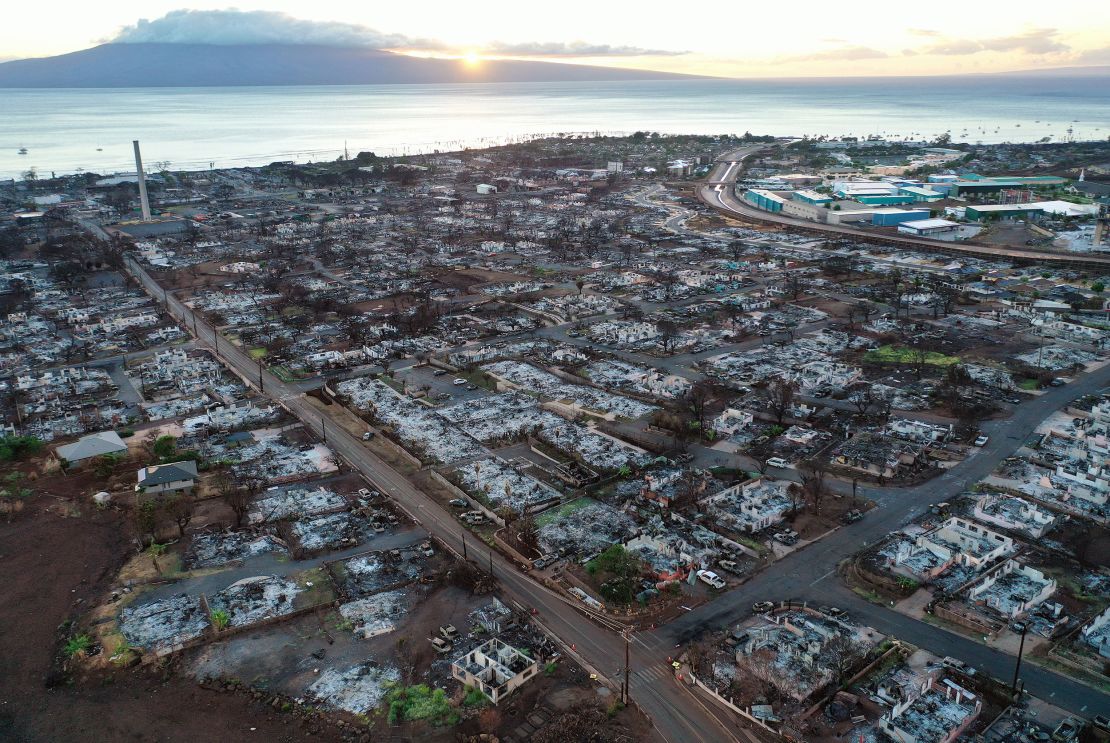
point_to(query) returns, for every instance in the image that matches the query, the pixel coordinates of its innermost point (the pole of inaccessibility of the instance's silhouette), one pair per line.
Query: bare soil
(53, 566)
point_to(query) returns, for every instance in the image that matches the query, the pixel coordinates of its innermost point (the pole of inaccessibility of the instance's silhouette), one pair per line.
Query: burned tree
(780, 397)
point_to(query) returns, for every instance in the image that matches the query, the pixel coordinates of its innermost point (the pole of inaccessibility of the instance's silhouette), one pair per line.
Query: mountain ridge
(157, 65)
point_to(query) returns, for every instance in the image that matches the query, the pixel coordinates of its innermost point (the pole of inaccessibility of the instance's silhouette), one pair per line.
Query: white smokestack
(142, 182)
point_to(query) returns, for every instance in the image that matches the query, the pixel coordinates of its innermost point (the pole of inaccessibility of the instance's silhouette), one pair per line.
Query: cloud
(843, 54)
(923, 32)
(1037, 41)
(231, 26)
(1094, 56)
(258, 27)
(573, 49)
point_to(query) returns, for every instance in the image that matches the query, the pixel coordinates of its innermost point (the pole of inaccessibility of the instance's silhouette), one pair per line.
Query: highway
(719, 193)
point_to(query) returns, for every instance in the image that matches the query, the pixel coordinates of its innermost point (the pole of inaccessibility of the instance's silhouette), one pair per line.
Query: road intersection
(808, 574)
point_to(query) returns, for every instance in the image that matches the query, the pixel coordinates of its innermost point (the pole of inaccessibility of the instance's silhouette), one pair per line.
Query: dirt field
(51, 566)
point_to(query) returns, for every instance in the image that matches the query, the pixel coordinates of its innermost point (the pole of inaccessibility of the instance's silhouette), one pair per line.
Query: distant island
(165, 65)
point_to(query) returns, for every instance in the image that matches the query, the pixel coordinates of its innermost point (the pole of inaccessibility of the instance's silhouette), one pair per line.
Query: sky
(798, 38)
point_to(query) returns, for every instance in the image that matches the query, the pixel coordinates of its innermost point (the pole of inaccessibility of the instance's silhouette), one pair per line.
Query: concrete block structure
(939, 713)
(496, 668)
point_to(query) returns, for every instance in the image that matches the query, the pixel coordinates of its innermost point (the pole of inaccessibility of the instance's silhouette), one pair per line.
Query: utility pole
(324, 427)
(627, 643)
(261, 386)
(464, 544)
(491, 563)
(1017, 666)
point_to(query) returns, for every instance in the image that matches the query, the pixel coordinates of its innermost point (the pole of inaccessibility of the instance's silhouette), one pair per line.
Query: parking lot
(421, 377)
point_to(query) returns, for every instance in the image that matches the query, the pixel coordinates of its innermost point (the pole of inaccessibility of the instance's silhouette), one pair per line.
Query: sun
(471, 58)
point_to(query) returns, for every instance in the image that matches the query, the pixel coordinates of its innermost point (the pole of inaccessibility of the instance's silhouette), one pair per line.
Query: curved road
(719, 193)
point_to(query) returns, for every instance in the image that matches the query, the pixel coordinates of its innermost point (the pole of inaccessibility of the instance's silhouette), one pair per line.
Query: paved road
(807, 574)
(669, 706)
(718, 193)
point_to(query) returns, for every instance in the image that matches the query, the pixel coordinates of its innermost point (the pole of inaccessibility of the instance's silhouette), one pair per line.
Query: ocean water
(71, 130)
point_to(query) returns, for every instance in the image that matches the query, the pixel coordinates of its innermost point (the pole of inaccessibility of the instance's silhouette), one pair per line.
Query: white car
(982, 440)
(711, 578)
(777, 462)
(459, 382)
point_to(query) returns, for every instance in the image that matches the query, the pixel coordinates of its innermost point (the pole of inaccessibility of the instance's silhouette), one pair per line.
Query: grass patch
(398, 386)
(421, 702)
(1029, 385)
(474, 697)
(258, 353)
(903, 355)
(282, 373)
(317, 588)
(564, 510)
(871, 596)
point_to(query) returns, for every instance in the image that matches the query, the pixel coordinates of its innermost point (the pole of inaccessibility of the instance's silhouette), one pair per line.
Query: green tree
(620, 571)
(1098, 287)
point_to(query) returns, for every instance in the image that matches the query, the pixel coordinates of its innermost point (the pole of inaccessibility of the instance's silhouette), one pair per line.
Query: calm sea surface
(71, 130)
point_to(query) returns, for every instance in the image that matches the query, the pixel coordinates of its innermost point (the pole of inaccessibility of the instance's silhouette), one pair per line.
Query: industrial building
(764, 199)
(812, 197)
(1001, 211)
(928, 227)
(893, 217)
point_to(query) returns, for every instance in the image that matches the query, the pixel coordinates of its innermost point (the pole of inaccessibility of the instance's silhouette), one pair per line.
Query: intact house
(90, 447)
(167, 478)
(496, 668)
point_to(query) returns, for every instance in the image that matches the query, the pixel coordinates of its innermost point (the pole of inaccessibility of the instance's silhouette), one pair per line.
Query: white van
(777, 462)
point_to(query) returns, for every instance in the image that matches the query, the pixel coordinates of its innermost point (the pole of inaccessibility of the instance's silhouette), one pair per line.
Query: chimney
(142, 182)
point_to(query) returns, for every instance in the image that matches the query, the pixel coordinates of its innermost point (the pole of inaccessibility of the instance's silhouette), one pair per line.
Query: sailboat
(22, 150)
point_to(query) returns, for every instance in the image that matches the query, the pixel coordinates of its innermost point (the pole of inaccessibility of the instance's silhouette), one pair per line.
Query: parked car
(1014, 401)
(957, 665)
(1058, 382)
(1067, 730)
(777, 462)
(710, 578)
(368, 435)
(982, 440)
(439, 372)
(472, 387)
(448, 632)
(787, 537)
(441, 646)
(853, 516)
(458, 503)
(459, 382)
(833, 611)
(762, 607)
(728, 565)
